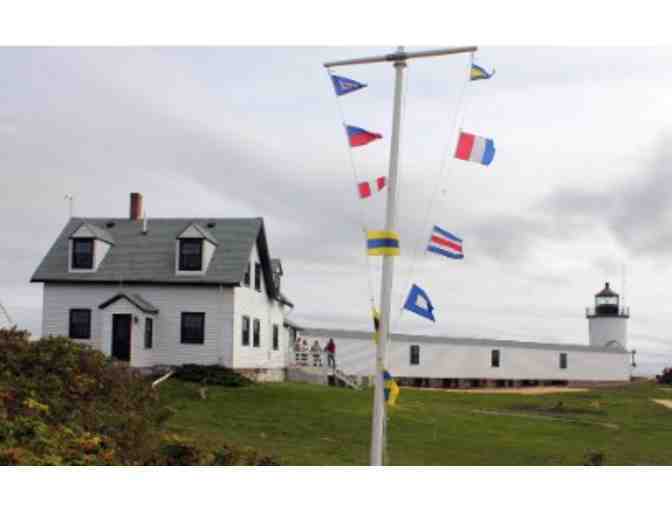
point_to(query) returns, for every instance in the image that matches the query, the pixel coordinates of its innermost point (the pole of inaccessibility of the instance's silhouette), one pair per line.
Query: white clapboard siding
(171, 300)
(437, 360)
(257, 305)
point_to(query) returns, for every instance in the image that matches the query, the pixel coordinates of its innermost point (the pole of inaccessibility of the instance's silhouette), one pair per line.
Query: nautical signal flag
(478, 73)
(358, 136)
(365, 188)
(391, 389)
(376, 324)
(444, 243)
(418, 302)
(382, 242)
(475, 148)
(343, 85)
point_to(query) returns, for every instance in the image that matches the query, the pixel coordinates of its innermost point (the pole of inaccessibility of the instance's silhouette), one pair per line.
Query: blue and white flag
(418, 302)
(444, 243)
(343, 85)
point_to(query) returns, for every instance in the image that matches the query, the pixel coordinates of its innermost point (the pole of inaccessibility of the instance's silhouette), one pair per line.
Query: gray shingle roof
(135, 299)
(98, 233)
(150, 257)
(205, 232)
(367, 336)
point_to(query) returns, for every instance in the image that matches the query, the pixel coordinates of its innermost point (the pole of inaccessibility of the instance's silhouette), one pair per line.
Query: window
(191, 254)
(82, 253)
(494, 358)
(563, 360)
(257, 276)
(255, 333)
(80, 323)
(246, 278)
(276, 340)
(246, 331)
(193, 328)
(149, 332)
(415, 354)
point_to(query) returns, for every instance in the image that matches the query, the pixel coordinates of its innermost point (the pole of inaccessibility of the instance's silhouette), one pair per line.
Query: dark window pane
(255, 333)
(415, 354)
(276, 340)
(246, 278)
(193, 328)
(494, 358)
(563, 360)
(246, 331)
(149, 332)
(80, 323)
(191, 254)
(82, 253)
(257, 276)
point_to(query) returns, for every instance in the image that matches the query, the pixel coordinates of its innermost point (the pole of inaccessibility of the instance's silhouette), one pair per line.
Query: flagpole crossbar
(402, 56)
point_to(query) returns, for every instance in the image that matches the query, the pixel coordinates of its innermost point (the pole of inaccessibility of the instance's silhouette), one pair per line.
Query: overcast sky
(579, 189)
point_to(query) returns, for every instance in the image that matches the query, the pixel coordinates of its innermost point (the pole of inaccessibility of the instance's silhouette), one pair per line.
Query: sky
(577, 195)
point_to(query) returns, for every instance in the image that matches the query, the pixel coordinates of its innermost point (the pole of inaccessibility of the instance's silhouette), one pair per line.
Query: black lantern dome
(606, 301)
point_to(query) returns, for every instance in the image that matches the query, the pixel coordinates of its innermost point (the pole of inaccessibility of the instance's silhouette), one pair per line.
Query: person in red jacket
(331, 353)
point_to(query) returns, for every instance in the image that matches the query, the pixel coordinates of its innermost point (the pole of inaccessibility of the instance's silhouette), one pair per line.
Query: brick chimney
(136, 207)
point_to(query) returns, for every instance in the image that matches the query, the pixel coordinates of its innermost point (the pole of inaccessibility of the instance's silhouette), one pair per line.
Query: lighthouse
(607, 321)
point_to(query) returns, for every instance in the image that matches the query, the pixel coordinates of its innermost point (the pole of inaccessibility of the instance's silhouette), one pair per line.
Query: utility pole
(399, 59)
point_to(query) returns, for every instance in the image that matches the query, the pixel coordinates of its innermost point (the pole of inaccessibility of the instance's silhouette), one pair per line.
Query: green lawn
(318, 425)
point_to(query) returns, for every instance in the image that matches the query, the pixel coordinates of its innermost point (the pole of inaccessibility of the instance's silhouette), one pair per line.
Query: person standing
(331, 353)
(316, 351)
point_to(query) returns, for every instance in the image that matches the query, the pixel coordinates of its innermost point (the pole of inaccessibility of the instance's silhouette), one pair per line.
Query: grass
(318, 425)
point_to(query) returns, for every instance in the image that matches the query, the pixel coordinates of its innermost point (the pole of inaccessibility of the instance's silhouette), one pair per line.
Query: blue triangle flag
(418, 302)
(343, 85)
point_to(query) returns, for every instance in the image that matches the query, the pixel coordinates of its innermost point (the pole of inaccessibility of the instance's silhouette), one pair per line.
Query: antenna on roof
(144, 223)
(70, 198)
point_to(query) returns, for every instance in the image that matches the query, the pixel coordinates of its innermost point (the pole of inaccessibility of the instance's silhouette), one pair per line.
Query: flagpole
(399, 58)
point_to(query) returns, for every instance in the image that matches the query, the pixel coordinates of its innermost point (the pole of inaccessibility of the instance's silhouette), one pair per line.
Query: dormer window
(82, 253)
(191, 254)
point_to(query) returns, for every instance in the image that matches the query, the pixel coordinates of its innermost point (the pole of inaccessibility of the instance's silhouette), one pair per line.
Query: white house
(169, 291)
(460, 362)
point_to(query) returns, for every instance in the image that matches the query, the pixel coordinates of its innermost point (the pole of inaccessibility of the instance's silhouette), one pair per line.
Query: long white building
(452, 362)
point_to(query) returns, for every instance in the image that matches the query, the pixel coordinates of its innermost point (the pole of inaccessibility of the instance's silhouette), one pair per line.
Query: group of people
(301, 351)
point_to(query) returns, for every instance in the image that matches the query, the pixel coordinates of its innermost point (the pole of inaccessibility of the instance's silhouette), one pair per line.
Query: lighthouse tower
(607, 322)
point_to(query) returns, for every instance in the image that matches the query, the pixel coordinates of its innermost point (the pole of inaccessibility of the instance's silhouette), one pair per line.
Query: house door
(121, 336)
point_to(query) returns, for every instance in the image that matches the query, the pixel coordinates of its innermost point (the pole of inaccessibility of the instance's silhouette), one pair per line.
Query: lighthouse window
(563, 360)
(415, 354)
(494, 358)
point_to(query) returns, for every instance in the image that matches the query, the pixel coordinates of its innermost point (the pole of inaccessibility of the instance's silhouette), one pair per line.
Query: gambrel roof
(138, 257)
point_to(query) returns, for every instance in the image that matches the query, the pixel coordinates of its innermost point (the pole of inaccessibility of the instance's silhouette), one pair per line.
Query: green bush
(211, 375)
(62, 403)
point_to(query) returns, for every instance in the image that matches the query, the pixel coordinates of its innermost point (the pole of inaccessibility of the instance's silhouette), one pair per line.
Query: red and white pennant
(365, 188)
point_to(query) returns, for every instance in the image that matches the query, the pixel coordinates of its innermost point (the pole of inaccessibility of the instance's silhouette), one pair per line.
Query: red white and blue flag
(475, 148)
(365, 188)
(446, 244)
(358, 136)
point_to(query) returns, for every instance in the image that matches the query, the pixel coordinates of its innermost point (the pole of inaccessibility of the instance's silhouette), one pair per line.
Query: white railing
(308, 358)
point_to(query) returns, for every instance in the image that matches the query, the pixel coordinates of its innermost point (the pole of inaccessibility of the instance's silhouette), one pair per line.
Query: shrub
(665, 377)
(62, 403)
(211, 375)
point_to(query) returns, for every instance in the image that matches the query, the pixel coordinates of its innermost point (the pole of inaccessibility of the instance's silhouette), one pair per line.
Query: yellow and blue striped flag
(382, 242)
(479, 73)
(391, 389)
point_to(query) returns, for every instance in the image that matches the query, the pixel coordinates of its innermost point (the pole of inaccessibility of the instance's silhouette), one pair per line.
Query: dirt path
(663, 402)
(535, 390)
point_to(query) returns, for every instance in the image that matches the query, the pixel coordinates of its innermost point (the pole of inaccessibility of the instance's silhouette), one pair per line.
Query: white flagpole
(399, 58)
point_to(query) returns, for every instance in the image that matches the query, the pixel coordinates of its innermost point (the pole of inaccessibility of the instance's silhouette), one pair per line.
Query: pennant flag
(382, 242)
(343, 85)
(358, 136)
(418, 302)
(365, 188)
(376, 324)
(391, 389)
(446, 244)
(475, 148)
(478, 73)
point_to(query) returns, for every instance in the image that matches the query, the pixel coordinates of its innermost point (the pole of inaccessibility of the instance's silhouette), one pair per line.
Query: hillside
(316, 425)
